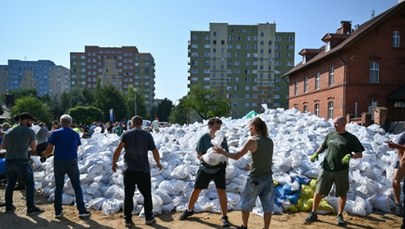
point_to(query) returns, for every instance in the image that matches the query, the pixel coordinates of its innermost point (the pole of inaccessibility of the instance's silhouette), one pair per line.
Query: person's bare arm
(250, 145)
(116, 155)
(157, 158)
(48, 150)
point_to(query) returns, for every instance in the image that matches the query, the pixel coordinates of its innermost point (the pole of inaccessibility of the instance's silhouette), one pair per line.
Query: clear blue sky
(49, 29)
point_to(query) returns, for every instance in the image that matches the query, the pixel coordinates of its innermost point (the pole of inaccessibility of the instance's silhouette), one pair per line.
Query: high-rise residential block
(39, 75)
(119, 66)
(244, 63)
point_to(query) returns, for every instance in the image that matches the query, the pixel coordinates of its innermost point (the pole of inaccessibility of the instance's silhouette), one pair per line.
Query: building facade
(355, 71)
(244, 63)
(59, 80)
(122, 67)
(39, 75)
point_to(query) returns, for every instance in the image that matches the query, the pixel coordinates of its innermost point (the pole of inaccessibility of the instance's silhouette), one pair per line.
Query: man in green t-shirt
(340, 146)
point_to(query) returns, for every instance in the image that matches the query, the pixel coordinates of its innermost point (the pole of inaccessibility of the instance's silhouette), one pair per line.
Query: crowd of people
(62, 141)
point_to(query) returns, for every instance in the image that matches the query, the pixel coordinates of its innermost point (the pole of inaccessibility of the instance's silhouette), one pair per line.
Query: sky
(49, 29)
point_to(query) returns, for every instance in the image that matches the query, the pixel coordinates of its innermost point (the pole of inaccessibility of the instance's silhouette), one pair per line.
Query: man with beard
(16, 142)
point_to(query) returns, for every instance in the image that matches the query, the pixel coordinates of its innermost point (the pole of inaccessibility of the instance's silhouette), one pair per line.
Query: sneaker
(225, 221)
(242, 227)
(340, 220)
(186, 214)
(34, 211)
(10, 209)
(58, 215)
(129, 222)
(84, 214)
(312, 217)
(150, 221)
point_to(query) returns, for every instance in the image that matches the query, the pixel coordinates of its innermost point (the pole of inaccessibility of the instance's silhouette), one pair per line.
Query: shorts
(327, 178)
(262, 187)
(203, 179)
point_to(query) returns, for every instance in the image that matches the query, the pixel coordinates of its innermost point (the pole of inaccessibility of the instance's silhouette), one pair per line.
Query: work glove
(314, 157)
(346, 159)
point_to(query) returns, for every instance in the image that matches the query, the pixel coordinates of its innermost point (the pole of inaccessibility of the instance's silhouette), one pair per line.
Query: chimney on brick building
(345, 27)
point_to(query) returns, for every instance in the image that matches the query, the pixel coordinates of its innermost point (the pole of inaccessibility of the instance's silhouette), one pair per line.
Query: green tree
(180, 113)
(163, 109)
(85, 114)
(207, 103)
(107, 97)
(140, 103)
(33, 105)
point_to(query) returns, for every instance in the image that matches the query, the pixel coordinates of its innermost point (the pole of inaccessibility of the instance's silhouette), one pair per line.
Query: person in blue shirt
(66, 141)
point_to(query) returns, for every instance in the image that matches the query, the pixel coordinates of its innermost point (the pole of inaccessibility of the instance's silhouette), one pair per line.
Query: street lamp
(135, 90)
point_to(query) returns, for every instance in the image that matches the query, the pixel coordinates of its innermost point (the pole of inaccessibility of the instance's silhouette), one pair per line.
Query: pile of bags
(296, 136)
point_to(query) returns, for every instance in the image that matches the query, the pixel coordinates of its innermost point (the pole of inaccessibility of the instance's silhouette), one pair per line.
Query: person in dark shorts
(206, 173)
(340, 146)
(399, 174)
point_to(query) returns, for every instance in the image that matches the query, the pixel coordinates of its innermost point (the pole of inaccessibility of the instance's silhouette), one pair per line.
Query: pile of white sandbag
(296, 136)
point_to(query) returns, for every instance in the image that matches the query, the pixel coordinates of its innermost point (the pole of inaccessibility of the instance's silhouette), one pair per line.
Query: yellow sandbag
(292, 209)
(305, 205)
(306, 192)
(312, 183)
(324, 206)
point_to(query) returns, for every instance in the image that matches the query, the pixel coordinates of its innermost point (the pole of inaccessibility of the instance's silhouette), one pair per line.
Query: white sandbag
(212, 158)
(96, 203)
(111, 206)
(67, 199)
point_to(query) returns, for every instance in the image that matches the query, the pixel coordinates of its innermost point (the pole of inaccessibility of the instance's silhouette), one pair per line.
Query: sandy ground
(19, 219)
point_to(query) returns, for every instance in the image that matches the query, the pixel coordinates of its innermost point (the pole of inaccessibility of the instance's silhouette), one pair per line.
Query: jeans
(69, 167)
(142, 180)
(22, 168)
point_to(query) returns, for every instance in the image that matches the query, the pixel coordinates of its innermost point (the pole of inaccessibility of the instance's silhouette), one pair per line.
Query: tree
(163, 109)
(34, 106)
(180, 113)
(85, 114)
(206, 103)
(140, 103)
(107, 97)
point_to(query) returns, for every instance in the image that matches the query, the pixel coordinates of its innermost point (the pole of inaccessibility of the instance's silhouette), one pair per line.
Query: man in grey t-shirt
(16, 142)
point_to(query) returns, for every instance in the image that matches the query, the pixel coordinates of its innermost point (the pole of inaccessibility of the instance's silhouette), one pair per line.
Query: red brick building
(355, 71)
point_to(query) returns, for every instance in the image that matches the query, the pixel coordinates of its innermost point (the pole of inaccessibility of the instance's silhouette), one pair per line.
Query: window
(371, 107)
(317, 109)
(330, 109)
(396, 37)
(296, 88)
(305, 84)
(331, 76)
(374, 72)
(305, 109)
(317, 81)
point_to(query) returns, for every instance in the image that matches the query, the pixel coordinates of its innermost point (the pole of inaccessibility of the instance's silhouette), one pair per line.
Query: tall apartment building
(59, 80)
(39, 74)
(119, 66)
(245, 63)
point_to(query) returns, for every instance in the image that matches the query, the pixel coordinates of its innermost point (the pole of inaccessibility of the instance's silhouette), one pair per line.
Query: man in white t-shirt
(155, 125)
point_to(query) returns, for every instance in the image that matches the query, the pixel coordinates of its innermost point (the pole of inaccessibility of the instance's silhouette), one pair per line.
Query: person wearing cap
(16, 142)
(137, 143)
(66, 141)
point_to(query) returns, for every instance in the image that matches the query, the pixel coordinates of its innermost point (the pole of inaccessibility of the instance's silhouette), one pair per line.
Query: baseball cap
(26, 115)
